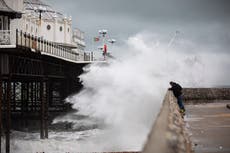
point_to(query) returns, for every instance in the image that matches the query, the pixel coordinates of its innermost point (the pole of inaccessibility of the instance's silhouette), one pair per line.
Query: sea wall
(168, 134)
(197, 94)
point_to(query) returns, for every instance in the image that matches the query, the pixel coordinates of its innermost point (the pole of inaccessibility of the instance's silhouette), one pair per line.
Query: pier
(34, 82)
(41, 58)
(42, 55)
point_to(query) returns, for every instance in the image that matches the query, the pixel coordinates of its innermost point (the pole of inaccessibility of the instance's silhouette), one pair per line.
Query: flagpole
(93, 44)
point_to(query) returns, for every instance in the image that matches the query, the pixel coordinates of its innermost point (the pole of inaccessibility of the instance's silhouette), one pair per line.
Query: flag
(96, 38)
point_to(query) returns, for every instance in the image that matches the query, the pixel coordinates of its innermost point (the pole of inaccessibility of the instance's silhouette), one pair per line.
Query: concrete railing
(168, 134)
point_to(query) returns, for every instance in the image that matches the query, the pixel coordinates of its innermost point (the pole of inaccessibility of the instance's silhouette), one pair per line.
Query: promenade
(209, 126)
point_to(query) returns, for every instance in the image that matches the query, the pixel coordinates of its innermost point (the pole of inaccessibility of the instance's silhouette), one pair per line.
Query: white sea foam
(125, 95)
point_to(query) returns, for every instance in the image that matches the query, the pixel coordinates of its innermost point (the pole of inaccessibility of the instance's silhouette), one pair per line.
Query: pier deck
(209, 125)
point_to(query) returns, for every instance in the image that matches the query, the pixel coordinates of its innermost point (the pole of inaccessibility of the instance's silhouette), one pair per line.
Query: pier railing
(38, 44)
(5, 37)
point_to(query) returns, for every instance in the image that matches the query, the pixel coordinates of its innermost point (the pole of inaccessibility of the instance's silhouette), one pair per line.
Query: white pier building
(38, 21)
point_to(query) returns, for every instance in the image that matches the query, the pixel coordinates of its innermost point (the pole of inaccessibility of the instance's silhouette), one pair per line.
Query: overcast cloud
(205, 22)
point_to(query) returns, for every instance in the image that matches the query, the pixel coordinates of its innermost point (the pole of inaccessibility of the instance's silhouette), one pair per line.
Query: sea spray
(123, 97)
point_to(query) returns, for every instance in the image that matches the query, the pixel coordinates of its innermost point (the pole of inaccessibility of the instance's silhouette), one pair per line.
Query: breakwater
(169, 134)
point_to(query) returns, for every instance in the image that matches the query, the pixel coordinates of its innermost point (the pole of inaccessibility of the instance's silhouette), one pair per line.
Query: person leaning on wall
(177, 91)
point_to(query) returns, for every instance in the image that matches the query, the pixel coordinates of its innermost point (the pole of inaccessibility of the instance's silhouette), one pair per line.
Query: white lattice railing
(5, 37)
(47, 47)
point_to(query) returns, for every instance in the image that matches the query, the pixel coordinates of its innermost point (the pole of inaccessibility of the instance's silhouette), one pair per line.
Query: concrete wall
(168, 134)
(206, 94)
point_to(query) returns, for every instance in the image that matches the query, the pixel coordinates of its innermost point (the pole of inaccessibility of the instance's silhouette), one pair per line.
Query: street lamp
(40, 10)
(112, 41)
(103, 32)
(104, 40)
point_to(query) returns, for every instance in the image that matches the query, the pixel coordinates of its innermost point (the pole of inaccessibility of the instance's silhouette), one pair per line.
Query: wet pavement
(209, 126)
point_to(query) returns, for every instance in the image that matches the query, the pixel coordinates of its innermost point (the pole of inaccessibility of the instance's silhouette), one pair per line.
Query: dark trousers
(180, 102)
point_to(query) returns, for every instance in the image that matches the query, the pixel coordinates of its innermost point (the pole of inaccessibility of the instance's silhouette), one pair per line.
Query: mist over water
(123, 97)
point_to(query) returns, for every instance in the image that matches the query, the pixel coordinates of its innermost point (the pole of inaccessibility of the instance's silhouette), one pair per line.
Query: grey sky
(203, 21)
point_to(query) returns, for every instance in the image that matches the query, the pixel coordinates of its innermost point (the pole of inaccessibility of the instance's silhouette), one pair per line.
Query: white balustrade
(39, 44)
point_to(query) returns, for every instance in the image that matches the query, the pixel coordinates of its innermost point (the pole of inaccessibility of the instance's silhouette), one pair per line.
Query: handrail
(38, 44)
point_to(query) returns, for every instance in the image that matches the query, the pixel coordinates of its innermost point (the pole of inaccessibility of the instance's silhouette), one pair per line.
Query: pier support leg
(44, 92)
(8, 117)
(42, 108)
(47, 107)
(26, 104)
(22, 104)
(1, 97)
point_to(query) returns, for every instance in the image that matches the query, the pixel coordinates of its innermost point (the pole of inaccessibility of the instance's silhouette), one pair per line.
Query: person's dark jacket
(176, 89)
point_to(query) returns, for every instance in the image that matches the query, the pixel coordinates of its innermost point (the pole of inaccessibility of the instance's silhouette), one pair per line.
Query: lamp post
(103, 33)
(169, 45)
(112, 41)
(40, 10)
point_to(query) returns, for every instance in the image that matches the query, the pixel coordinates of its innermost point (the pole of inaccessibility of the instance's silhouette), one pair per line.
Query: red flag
(96, 38)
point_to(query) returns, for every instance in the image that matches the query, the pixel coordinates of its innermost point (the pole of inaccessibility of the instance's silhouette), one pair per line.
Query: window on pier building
(5, 23)
(1, 23)
(48, 27)
(60, 28)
